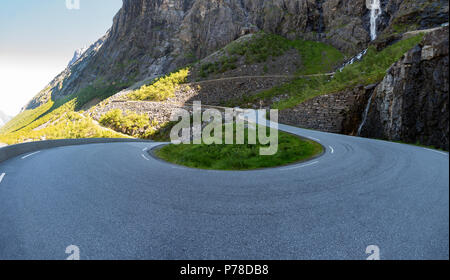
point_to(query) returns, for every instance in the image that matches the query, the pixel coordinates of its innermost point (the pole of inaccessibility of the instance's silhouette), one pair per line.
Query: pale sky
(38, 39)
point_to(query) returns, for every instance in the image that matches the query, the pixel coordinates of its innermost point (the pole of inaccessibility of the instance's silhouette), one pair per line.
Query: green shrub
(129, 123)
(224, 64)
(163, 88)
(208, 68)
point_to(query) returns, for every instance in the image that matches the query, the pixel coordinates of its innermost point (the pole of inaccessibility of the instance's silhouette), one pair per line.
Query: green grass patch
(291, 149)
(224, 64)
(317, 57)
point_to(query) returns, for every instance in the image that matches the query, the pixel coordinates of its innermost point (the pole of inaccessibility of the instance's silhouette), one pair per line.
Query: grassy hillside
(53, 121)
(371, 69)
(262, 48)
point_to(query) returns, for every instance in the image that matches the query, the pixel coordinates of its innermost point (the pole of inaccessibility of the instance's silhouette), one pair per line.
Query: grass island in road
(291, 149)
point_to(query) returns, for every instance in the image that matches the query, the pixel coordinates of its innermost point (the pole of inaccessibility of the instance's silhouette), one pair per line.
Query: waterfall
(375, 11)
(354, 59)
(366, 112)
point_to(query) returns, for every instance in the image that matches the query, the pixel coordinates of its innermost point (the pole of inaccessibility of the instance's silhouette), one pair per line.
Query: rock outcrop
(411, 103)
(150, 38)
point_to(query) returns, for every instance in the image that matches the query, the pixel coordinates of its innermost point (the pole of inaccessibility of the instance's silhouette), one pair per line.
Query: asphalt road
(114, 201)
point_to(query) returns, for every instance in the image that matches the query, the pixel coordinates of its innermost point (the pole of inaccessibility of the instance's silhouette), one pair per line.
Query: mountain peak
(78, 53)
(3, 118)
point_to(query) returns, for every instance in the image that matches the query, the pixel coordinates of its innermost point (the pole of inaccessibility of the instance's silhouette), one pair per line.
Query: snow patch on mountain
(78, 53)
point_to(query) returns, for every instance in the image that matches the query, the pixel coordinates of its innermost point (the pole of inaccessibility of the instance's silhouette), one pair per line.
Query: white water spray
(375, 11)
(354, 59)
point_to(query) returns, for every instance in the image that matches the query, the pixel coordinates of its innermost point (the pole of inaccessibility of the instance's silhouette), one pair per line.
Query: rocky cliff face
(152, 37)
(411, 103)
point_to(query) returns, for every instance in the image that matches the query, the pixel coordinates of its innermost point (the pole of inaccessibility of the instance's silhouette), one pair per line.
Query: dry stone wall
(337, 113)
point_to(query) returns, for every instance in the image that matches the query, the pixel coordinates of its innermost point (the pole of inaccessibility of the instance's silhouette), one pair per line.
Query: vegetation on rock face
(316, 57)
(240, 157)
(97, 91)
(163, 88)
(260, 48)
(374, 65)
(370, 70)
(129, 123)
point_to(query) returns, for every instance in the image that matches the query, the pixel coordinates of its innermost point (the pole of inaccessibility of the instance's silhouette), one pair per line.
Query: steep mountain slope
(150, 38)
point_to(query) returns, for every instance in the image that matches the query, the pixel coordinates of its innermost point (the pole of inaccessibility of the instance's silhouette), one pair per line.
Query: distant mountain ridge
(78, 53)
(4, 118)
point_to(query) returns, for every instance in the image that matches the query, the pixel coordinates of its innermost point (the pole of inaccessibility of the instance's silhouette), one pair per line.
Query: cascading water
(366, 112)
(375, 11)
(354, 59)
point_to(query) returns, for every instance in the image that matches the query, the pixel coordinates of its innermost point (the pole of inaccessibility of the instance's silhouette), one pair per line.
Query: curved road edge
(12, 151)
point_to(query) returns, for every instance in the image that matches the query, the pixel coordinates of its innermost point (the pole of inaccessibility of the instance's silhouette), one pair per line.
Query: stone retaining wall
(212, 93)
(337, 113)
(159, 111)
